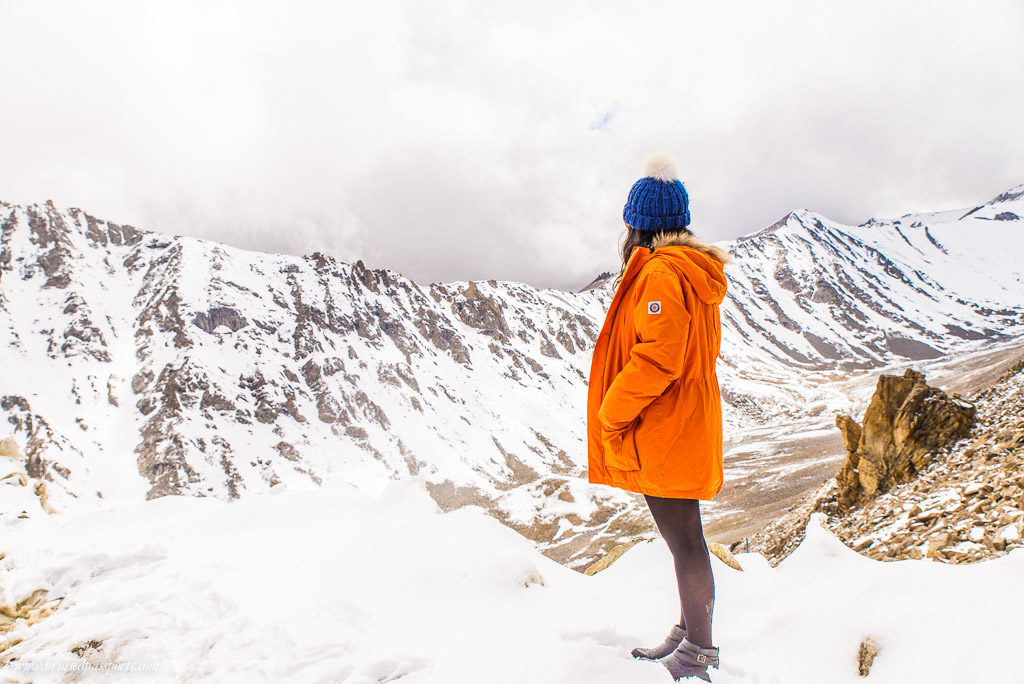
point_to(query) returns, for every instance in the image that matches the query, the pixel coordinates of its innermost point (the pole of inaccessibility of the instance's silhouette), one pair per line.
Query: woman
(654, 413)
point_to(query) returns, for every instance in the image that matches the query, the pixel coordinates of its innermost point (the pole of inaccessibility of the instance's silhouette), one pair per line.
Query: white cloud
(453, 140)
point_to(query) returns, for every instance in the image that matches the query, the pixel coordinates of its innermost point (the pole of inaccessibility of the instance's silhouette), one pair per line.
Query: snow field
(332, 585)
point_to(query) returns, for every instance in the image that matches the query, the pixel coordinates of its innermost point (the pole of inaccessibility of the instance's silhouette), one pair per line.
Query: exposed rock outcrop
(906, 422)
(10, 448)
(968, 503)
(481, 311)
(910, 442)
(866, 654)
(15, 472)
(24, 611)
(209, 321)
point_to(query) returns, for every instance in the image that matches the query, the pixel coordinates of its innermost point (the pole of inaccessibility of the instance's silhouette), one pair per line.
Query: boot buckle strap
(701, 658)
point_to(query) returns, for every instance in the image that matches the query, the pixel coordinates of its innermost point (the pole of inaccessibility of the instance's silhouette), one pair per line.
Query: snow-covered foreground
(330, 585)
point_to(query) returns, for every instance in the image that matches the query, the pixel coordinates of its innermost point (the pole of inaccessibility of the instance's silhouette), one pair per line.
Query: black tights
(678, 520)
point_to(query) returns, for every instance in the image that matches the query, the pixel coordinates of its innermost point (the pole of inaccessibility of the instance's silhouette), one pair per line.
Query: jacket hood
(701, 263)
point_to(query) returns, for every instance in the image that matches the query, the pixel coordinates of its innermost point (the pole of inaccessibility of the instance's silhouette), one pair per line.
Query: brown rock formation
(905, 424)
(967, 505)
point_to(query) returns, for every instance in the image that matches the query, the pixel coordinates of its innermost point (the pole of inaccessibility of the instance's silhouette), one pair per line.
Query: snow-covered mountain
(808, 293)
(137, 364)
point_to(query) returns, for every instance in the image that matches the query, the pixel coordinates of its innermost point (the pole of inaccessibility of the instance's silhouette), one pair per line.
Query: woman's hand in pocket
(619, 453)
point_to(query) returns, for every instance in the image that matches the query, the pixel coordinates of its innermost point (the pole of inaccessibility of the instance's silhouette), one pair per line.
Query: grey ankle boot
(670, 644)
(690, 660)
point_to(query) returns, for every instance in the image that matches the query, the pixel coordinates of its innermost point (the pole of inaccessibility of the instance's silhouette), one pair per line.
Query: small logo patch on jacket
(654, 307)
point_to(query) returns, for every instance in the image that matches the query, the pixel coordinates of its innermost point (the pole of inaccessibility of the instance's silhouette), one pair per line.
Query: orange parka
(654, 412)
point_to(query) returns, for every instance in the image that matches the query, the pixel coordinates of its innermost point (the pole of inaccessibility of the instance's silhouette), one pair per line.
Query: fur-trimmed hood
(692, 241)
(700, 263)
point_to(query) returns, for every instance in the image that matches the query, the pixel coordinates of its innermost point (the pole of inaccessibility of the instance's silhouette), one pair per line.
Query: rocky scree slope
(928, 476)
(967, 504)
(137, 364)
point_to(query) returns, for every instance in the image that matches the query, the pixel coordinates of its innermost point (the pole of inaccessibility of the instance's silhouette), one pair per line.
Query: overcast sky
(468, 140)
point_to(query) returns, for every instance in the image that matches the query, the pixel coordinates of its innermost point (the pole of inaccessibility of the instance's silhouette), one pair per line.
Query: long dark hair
(641, 238)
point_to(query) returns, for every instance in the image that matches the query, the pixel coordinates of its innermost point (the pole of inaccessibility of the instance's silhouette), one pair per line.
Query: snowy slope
(296, 585)
(809, 294)
(850, 296)
(137, 364)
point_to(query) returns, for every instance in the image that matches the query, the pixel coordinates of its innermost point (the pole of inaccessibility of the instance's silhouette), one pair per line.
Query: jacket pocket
(620, 448)
(659, 426)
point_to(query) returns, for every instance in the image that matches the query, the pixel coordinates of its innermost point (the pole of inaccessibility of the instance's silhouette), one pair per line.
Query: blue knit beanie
(658, 201)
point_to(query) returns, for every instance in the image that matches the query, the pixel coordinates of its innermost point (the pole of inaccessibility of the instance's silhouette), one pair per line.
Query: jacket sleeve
(656, 359)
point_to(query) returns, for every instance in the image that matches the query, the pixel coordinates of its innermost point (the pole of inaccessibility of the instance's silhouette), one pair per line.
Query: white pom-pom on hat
(661, 165)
